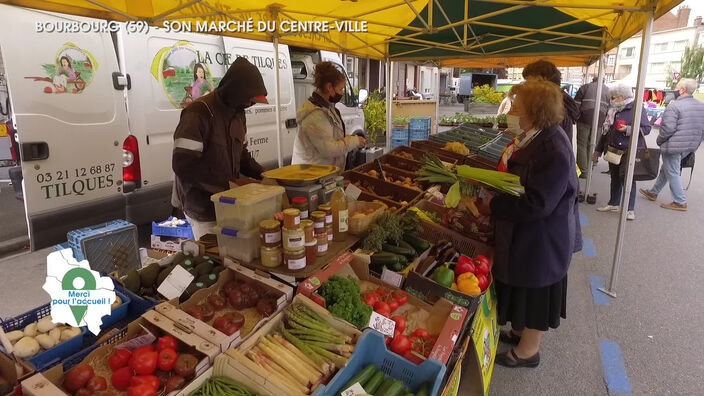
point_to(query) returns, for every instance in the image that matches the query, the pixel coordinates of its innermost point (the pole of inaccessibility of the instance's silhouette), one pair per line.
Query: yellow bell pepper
(469, 284)
(454, 286)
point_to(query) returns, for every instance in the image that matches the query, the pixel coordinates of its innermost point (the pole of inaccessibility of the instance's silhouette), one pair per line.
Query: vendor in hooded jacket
(210, 147)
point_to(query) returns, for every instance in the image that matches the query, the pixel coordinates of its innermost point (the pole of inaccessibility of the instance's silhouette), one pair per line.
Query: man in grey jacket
(586, 98)
(681, 132)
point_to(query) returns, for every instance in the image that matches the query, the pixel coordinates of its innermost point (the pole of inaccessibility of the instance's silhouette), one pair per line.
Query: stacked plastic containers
(419, 128)
(239, 212)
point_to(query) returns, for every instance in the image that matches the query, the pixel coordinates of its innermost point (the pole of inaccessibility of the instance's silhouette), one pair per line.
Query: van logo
(71, 70)
(182, 74)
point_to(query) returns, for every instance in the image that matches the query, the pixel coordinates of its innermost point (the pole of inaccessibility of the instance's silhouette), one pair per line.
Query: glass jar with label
(328, 213)
(301, 203)
(322, 248)
(296, 259)
(318, 218)
(308, 230)
(271, 257)
(292, 218)
(329, 232)
(270, 233)
(294, 239)
(311, 252)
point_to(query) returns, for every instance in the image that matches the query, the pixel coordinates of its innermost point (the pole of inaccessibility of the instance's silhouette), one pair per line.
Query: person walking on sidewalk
(616, 139)
(210, 144)
(681, 133)
(586, 98)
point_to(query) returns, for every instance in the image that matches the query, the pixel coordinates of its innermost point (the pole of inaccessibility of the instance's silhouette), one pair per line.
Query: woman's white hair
(622, 90)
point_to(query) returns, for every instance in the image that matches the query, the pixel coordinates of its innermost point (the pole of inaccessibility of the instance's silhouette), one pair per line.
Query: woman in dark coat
(617, 137)
(535, 233)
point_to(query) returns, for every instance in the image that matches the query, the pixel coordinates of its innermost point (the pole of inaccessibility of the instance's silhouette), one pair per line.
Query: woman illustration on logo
(200, 86)
(64, 73)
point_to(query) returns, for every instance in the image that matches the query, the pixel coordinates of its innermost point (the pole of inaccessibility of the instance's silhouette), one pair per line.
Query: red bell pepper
(464, 264)
(167, 342)
(167, 359)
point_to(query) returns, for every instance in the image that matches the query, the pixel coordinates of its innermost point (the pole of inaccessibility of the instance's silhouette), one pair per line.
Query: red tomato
(216, 302)
(97, 384)
(167, 342)
(482, 268)
(78, 377)
(400, 296)
(384, 312)
(421, 333)
(393, 306)
(381, 292)
(167, 359)
(370, 298)
(400, 344)
(143, 349)
(231, 328)
(195, 312)
(120, 358)
(207, 310)
(150, 380)
(483, 282)
(121, 378)
(141, 390)
(387, 340)
(400, 323)
(381, 306)
(84, 392)
(145, 363)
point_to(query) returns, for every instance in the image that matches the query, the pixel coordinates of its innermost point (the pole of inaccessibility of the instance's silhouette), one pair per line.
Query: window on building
(608, 77)
(299, 70)
(628, 52)
(661, 47)
(675, 66)
(657, 67)
(611, 60)
(680, 45)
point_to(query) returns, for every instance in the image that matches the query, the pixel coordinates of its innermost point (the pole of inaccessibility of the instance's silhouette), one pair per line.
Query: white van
(95, 114)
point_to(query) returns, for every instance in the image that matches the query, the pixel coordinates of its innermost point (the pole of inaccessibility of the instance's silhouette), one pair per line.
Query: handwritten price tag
(176, 283)
(382, 324)
(354, 390)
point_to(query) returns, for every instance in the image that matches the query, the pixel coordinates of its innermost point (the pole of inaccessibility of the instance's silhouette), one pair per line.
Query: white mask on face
(514, 124)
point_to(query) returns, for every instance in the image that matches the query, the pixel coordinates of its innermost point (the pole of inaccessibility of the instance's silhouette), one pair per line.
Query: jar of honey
(292, 218)
(270, 233)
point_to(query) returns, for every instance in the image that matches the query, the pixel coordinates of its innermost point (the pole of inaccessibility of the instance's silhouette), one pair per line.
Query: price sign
(176, 283)
(382, 324)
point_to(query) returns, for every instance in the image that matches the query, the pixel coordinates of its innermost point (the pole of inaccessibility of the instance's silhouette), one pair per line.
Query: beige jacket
(321, 135)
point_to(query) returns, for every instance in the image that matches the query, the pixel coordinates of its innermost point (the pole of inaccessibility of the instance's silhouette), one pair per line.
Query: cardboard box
(243, 370)
(49, 382)
(171, 244)
(395, 279)
(442, 318)
(177, 313)
(14, 372)
(485, 341)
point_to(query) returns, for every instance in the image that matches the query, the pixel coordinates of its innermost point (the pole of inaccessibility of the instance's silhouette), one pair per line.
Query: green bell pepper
(444, 275)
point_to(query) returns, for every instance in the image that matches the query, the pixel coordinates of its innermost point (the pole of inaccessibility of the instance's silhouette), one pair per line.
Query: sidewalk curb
(13, 245)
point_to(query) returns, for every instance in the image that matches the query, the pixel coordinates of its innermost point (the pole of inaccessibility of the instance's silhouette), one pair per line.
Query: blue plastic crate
(108, 247)
(371, 348)
(118, 313)
(52, 356)
(418, 134)
(399, 134)
(397, 143)
(420, 123)
(184, 231)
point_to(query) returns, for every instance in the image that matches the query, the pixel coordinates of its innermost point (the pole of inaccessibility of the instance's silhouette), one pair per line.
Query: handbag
(688, 162)
(613, 155)
(647, 162)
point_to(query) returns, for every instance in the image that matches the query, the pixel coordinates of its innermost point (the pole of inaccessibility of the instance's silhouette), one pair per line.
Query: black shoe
(506, 361)
(509, 338)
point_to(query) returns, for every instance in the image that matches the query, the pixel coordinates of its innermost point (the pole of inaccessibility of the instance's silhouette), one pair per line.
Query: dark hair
(326, 72)
(195, 70)
(544, 69)
(67, 60)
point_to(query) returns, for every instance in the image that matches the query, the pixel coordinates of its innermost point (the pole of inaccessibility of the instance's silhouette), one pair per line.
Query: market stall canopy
(479, 32)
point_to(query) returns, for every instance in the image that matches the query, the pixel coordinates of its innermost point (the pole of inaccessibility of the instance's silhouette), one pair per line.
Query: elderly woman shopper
(614, 144)
(535, 233)
(321, 138)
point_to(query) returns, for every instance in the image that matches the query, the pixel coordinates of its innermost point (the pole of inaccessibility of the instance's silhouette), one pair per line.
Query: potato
(26, 348)
(55, 333)
(15, 336)
(67, 334)
(45, 324)
(46, 341)
(117, 303)
(30, 330)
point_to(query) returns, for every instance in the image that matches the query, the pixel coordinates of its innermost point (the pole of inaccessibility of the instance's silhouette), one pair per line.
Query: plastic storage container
(239, 245)
(118, 313)
(399, 137)
(372, 349)
(243, 208)
(420, 123)
(183, 231)
(108, 247)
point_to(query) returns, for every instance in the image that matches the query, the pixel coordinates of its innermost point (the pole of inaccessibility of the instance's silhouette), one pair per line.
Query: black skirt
(532, 308)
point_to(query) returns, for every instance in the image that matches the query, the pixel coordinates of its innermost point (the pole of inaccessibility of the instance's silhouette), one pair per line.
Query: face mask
(514, 124)
(336, 98)
(677, 94)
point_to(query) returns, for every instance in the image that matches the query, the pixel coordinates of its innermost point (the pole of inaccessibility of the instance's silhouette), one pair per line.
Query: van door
(71, 122)
(168, 71)
(261, 118)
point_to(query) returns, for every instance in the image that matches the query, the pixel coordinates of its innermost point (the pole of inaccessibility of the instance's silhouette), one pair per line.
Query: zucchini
(384, 386)
(384, 258)
(361, 377)
(424, 390)
(374, 383)
(409, 247)
(396, 389)
(419, 244)
(409, 253)
(400, 265)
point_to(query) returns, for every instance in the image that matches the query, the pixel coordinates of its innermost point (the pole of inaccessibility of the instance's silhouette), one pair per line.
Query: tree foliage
(692, 67)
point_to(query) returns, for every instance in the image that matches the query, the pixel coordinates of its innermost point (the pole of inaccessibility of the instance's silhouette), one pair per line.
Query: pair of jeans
(617, 187)
(670, 173)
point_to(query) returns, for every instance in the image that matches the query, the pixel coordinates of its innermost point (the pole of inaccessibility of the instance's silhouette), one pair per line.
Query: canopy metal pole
(595, 127)
(637, 111)
(436, 121)
(278, 100)
(389, 102)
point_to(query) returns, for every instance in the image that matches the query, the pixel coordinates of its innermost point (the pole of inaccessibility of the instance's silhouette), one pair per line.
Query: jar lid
(292, 212)
(325, 207)
(269, 224)
(318, 213)
(299, 200)
(306, 223)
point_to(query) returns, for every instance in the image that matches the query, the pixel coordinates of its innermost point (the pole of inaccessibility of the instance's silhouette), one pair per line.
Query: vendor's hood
(241, 83)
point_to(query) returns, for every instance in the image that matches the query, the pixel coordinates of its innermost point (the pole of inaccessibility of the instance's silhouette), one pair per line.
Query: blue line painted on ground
(588, 247)
(600, 298)
(583, 219)
(614, 369)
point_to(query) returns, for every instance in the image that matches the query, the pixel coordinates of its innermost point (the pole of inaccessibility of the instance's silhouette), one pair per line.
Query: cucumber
(424, 390)
(408, 246)
(396, 389)
(409, 253)
(384, 258)
(374, 383)
(399, 265)
(384, 386)
(419, 244)
(362, 377)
